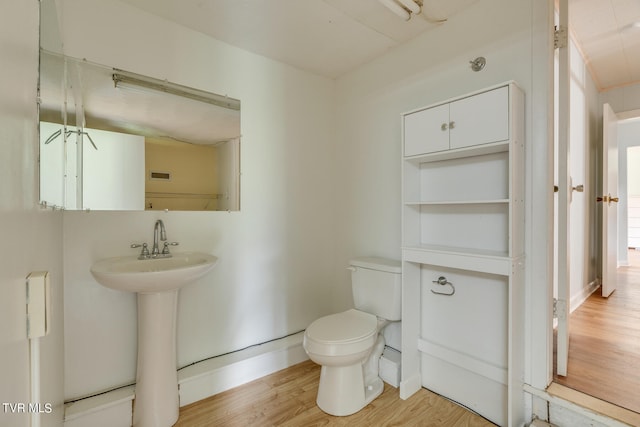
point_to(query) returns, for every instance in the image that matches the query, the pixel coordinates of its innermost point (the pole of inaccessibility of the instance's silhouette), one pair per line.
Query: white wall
(31, 238)
(584, 142)
(432, 68)
(274, 274)
(628, 183)
(621, 99)
(633, 158)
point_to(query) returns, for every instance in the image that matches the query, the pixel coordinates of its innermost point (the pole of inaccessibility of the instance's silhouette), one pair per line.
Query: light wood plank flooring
(287, 398)
(604, 342)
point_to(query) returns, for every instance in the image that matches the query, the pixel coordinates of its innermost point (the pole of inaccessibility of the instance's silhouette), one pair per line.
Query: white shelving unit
(463, 220)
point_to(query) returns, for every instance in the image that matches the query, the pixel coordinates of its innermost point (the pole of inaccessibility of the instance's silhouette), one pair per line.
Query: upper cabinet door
(426, 131)
(480, 119)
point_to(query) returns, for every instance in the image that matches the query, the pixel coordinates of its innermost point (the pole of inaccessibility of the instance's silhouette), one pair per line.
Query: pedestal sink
(156, 281)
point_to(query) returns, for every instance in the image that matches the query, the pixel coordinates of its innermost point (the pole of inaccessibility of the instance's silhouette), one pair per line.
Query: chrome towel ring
(442, 281)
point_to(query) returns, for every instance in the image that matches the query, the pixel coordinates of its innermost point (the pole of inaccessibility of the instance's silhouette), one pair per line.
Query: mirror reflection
(114, 140)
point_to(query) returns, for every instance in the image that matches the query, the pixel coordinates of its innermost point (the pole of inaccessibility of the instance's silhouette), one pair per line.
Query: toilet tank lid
(377, 263)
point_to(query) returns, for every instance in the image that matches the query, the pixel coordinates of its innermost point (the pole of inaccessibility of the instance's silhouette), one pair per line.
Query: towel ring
(442, 281)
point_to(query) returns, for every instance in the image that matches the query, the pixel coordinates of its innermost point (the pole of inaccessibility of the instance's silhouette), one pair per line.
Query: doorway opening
(604, 342)
(604, 333)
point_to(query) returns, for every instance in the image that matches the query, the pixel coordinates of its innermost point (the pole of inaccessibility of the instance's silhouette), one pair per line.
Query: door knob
(608, 199)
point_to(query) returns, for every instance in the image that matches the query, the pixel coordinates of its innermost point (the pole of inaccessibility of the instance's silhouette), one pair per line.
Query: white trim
(465, 361)
(572, 407)
(410, 386)
(585, 292)
(196, 382)
(114, 408)
(628, 115)
(222, 373)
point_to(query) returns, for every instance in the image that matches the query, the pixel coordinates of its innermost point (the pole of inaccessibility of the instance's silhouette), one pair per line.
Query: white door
(609, 200)
(564, 194)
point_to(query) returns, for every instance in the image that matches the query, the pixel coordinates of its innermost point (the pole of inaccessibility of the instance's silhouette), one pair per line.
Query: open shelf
(463, 220)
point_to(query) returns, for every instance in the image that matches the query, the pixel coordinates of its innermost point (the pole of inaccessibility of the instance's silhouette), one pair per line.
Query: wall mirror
(114, 140)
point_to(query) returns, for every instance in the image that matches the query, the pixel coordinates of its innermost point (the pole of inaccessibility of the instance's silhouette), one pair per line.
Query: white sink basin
(128, 273)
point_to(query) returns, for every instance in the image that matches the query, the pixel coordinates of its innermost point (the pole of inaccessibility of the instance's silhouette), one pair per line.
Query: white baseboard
(111, 409)
(195, 382)
(216, 375)
(577, 300)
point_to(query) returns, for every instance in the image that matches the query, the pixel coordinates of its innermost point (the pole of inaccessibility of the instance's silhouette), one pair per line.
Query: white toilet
(348, 345)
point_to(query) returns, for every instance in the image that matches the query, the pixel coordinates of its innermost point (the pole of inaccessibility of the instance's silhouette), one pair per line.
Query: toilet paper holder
(442, 281)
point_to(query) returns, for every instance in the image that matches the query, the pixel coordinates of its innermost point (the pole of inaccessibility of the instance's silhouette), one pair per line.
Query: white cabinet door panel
(480, 119)
(426, 131)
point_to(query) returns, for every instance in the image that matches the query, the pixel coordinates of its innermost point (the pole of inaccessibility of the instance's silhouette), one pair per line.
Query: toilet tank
(377, 286)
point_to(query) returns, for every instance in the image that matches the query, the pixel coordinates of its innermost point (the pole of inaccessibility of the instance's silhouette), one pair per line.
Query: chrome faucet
(158, 229)
(159, 234)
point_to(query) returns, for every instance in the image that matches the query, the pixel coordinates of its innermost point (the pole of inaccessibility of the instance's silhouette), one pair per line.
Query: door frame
(562, 301)
(609, 215)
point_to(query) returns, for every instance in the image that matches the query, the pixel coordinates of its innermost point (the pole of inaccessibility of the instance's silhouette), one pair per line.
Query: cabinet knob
(443, 127)
(452, 125)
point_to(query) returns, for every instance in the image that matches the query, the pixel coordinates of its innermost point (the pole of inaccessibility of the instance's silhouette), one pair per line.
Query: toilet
(348, 345)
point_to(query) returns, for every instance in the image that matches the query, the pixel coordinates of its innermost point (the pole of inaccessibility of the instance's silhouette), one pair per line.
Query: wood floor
(604, 342)
(287, 398)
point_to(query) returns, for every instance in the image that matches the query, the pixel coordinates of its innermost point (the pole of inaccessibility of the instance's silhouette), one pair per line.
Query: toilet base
(342, 391)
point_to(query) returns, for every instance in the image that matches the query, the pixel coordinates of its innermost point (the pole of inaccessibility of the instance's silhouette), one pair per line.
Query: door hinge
(560, 37)
(559, 309)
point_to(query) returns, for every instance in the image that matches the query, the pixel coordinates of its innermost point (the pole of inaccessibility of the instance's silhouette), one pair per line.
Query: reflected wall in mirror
(113, 140)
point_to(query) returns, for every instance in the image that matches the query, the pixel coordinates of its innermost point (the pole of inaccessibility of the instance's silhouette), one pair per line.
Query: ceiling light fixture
(397, 8)
(411, 5)
(122, 79)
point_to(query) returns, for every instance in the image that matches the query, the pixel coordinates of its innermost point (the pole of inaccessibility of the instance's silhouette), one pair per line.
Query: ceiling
(608, 34)
(332, 37)
(327, 37)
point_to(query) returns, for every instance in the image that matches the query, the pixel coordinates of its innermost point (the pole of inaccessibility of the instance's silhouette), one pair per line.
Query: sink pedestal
(156, 402)
(156, 281)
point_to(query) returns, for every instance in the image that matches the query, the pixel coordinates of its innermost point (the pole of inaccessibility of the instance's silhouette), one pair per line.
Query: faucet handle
(144, 253)
(165, 248)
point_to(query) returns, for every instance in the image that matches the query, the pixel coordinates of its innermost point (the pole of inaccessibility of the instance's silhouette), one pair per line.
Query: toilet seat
(342, 334)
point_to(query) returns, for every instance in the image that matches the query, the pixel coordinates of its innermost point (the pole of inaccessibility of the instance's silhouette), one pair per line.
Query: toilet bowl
(342, 344)
(348, 345)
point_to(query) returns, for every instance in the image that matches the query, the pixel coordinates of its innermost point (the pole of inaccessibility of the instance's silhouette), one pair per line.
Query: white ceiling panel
(608, 32)
(332, 37)
(327, 37)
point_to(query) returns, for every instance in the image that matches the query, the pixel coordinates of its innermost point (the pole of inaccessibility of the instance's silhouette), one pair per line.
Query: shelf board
(486, 261)
(457, 202)
(475, 150)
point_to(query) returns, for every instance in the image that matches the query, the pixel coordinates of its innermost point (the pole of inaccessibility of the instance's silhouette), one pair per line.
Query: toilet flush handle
(351, 268)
